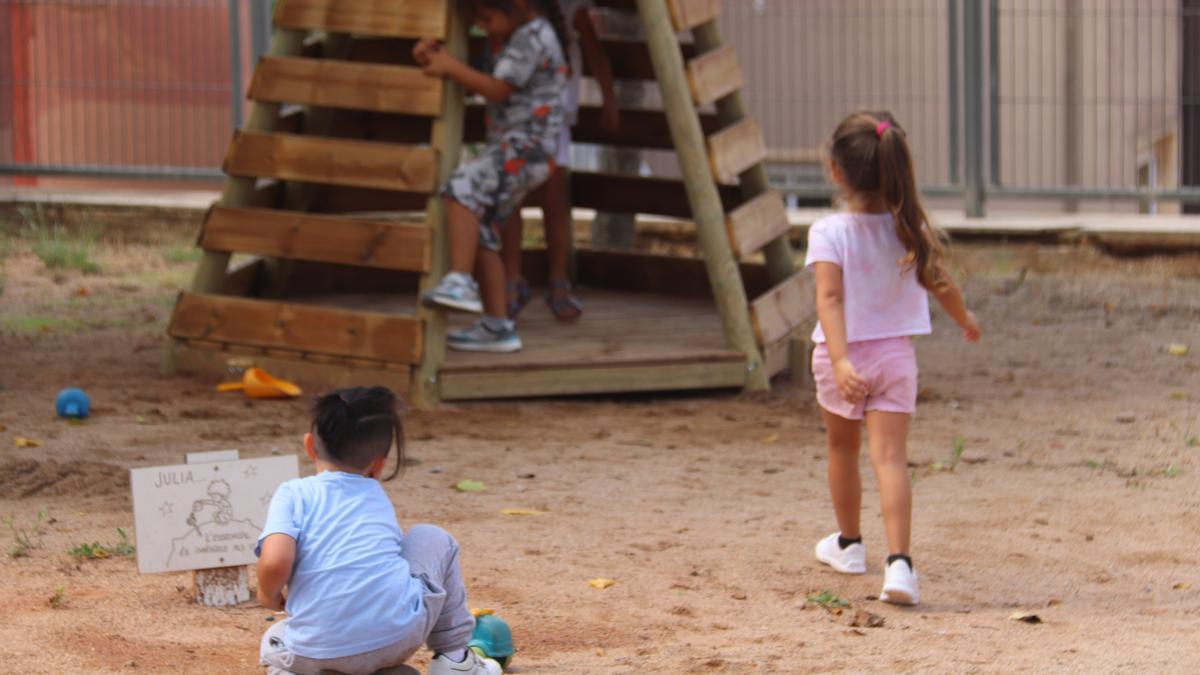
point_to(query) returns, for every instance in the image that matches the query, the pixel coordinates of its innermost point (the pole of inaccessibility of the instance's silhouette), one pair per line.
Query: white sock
(456, 656)
(459, 277)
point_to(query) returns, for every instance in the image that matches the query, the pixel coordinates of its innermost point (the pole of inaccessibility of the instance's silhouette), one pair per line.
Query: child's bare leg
(843, 438)
(887, 434)
(463, 229)
(511, 236)
(557, 210)
(489, 272)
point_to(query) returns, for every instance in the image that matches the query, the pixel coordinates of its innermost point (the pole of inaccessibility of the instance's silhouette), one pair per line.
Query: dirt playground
(1055, 468)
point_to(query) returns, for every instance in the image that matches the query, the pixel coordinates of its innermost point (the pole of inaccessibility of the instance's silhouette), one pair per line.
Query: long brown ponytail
(871, 151)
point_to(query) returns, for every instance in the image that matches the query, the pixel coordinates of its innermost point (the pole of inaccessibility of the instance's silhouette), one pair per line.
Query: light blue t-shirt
(350, 590)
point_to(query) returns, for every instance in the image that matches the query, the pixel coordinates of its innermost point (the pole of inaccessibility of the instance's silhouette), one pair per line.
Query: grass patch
(28, 324)
(25, 538)
(61, 250)
(828, 600)
(59, 599)
(182, 254)
(98, 551)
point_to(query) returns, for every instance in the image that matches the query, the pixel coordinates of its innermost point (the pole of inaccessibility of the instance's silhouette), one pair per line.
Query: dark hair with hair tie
(354, 427)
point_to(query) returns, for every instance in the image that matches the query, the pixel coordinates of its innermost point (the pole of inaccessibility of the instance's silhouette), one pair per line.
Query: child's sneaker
(474, 664)
(900, 584)
(455, 291)
(849, 560)
(481, 338)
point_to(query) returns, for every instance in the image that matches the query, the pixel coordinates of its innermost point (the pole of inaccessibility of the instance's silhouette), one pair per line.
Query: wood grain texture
(301, 236)
(688, 13)
(386, 18)
(783, 309)
(715, 75)
(343, 84)
(313, 372)
(735, 149)
(280, 325)
(331, 161)
(755, 223)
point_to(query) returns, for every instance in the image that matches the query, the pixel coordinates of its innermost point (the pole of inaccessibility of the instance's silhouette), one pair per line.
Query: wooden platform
(624, 342)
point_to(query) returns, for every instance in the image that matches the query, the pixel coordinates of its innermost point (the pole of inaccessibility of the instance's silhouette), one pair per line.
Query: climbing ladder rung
(687, 14)
(342, 84)
(387, 18)
(280, 325)
(295, 235)
(756, 223)
(714, 75)
(782, 309)
(736, 148)
(331, 161)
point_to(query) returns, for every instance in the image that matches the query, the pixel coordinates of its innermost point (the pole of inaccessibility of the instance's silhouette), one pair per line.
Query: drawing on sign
(212, 527)
(201, 516)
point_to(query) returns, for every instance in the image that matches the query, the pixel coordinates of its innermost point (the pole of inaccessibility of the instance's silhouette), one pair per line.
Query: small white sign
(200, 516)
(212, 456)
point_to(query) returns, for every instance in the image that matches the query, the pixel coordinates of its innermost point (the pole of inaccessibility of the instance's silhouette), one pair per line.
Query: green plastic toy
(492, 638)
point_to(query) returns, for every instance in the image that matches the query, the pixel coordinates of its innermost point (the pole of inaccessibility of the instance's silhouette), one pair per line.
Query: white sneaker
(455, 291)
(480, 338)
(849, 560)
(474, 664)
(900, 585)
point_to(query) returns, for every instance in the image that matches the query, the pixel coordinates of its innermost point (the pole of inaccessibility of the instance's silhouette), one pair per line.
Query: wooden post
(701, 187)
(447, 140)
(238, 191)
(731, 110)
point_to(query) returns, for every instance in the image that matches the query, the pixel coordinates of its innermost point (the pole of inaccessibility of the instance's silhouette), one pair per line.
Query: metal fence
(1064, 99)
(124, 88)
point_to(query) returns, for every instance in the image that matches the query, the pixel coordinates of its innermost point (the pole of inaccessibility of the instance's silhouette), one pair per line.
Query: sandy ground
(1076, 497)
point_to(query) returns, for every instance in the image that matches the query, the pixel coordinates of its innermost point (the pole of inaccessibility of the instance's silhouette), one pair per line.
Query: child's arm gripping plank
(275, 569)
(831, 312)
(951, 299)
(436, 61)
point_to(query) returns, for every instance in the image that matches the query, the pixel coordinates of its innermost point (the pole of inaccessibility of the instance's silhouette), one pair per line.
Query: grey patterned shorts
(494, 184)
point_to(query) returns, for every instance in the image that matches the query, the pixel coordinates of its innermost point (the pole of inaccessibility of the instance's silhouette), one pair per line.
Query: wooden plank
(331, 161)
(688, 13)
(313, 372)
(260, 323)
(735, 149)
(639, 128)
(619, 193)
(707, 208)
(592, 380)
(342, 84)
(301, 236)
(783, 309)
(388, 18)
(715, 75)
(755, 223)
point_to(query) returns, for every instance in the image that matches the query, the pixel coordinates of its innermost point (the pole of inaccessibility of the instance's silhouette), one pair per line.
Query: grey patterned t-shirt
(533, 62)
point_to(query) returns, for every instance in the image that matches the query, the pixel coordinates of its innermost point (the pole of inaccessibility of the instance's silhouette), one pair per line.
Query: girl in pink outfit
(876, 265)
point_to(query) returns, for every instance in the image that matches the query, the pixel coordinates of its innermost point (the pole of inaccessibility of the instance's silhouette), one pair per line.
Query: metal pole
(992, 122)
(974, 141)
(235, 62)
(952, 108)
(260, 27)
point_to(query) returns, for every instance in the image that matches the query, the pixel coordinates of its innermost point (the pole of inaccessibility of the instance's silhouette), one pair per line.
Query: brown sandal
(566, 308)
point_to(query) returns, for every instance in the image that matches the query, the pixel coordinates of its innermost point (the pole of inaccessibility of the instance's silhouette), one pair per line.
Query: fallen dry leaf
(1178, 349)
(521, 512)
(770, 438)
(1181, 586)
(22, 442)
(863, 618)
(600, 583)
(1026, 617)
(469, 485)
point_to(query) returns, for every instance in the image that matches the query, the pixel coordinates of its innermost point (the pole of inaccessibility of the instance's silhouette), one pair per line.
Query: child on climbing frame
(361, 595)
(554, 196)
(524, 92)
(875, 264)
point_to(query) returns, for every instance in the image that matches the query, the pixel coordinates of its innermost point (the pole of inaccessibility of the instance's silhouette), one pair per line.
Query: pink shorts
(890, 368)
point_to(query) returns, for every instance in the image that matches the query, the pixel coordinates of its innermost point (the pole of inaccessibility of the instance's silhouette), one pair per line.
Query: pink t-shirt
(883, 299)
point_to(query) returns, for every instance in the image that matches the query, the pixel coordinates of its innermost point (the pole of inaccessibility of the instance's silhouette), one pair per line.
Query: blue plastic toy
(72, 402)
(492, 638)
